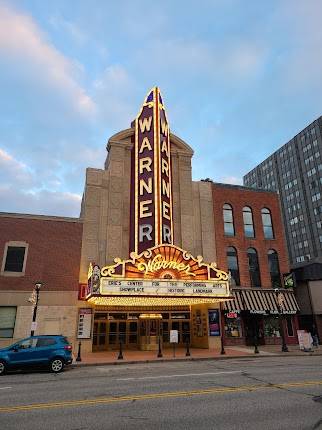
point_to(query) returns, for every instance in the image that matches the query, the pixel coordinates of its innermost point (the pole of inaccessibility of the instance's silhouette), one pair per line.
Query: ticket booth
(150, 331)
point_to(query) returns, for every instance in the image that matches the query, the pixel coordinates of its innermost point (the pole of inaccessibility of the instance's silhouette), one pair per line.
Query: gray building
(295, 172)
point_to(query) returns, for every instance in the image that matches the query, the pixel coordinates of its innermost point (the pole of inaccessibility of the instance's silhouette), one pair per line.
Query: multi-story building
(295, 172)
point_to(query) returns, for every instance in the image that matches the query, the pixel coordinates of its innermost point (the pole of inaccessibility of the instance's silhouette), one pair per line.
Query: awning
(262, 301)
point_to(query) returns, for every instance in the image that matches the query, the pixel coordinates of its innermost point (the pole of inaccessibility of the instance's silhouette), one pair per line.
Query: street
(252, 393)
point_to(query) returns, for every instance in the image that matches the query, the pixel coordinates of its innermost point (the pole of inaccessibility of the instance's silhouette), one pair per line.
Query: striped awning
(262, 301)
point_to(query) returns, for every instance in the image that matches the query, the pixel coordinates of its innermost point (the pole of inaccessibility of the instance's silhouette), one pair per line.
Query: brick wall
(238, 197)
(53, 254)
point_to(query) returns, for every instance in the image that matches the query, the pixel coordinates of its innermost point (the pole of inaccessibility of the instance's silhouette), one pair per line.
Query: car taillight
(69, 347)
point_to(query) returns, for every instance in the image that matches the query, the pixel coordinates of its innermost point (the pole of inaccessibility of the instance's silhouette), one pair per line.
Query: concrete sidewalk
(131, 357)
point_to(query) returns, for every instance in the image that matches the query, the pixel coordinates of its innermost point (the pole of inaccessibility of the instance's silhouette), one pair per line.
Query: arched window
(274, 268)
(228, 220)
(253, 266)
(267, 224)
(232, 262)
(248, 222)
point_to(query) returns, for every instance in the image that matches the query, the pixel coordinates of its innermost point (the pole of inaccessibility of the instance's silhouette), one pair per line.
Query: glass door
(133, 333)
(99, 336)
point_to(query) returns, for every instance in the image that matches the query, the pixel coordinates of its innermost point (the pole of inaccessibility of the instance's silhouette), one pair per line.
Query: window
(7, 321)
(228, 220)
(14, 258)
(232, 262)
(267, 224)
(248, 222)
(274, 268)
(253, 267)
(233, 326)
(45, 341)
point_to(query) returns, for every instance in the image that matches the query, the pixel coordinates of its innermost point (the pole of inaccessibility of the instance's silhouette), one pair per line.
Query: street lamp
(34, 298)
(279, 300)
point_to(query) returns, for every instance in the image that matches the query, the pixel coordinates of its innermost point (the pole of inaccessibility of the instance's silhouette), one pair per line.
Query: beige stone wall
(106, 208)
(57, 314)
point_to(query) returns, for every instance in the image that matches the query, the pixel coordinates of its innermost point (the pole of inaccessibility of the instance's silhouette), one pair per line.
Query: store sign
(152, 178)
(232, 315)
(163, 288)
(84, 323)
(289, 280)
(164, 262)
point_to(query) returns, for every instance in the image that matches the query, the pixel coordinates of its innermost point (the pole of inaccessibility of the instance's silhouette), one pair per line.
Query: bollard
(187, 346)
(255, 345)
(79, 352)
(159, 352)
(120, 356)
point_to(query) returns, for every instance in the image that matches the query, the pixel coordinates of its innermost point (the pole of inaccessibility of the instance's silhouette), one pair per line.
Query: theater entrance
(139, 330)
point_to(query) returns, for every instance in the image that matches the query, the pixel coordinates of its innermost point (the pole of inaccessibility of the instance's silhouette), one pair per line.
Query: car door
(44, 349)
(22, 353)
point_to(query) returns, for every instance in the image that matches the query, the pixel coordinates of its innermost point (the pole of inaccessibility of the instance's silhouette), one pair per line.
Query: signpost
(174, 338)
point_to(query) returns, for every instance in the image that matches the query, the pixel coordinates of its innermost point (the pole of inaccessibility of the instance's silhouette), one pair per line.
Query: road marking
(106, 400)
(179, 375)
(5, 388)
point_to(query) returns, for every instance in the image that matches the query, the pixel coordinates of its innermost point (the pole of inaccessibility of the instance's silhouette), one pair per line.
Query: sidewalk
(131, 357)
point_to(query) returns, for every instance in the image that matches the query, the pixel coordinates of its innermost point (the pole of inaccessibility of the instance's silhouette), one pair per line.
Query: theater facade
(154, 248)
(148, 261)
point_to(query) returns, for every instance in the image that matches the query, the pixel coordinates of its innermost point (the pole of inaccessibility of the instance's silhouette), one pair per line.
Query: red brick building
(250, 243)
(42, 249)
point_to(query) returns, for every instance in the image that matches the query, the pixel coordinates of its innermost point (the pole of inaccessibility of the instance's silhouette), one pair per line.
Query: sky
(238, 78)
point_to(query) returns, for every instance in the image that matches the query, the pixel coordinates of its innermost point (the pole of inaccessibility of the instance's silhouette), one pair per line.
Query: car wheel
(3, 367)
(56, 365)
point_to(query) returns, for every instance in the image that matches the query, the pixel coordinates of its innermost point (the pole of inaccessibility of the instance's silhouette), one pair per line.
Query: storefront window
(7, 320)
(233, 325)
(271, 327)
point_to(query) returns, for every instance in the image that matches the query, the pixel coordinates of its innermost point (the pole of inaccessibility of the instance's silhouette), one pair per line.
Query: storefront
(257, 313)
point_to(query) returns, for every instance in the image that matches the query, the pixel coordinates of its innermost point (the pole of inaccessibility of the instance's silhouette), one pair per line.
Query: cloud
(13, 170)
(22, 41)
(43, 202)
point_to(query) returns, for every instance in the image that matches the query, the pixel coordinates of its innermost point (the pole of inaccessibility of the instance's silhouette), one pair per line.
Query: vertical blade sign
(152, 176)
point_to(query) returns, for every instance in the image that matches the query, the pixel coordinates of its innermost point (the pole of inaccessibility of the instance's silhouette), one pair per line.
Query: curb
(168, 360)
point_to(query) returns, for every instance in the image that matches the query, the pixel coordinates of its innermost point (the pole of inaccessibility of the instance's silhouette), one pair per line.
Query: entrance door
(124, 331)
(99, 336)
(183, 328)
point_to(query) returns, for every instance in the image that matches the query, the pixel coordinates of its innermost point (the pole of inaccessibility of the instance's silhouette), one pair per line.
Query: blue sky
(238, 78)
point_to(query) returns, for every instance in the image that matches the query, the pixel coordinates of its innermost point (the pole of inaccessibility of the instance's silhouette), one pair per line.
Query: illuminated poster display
(214, 325)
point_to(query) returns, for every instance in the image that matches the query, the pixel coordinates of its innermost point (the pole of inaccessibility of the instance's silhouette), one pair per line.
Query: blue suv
(51, 351)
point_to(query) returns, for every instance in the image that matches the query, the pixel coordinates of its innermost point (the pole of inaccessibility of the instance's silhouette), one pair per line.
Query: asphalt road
(261, 393)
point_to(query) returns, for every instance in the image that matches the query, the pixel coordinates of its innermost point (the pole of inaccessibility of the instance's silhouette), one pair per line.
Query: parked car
(37, 351)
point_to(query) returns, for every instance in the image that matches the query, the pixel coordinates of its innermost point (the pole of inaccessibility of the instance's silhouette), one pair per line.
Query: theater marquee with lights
(164, 270)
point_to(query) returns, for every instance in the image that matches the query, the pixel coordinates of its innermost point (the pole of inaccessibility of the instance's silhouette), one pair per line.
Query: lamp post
(278, 300)
(34, 298)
